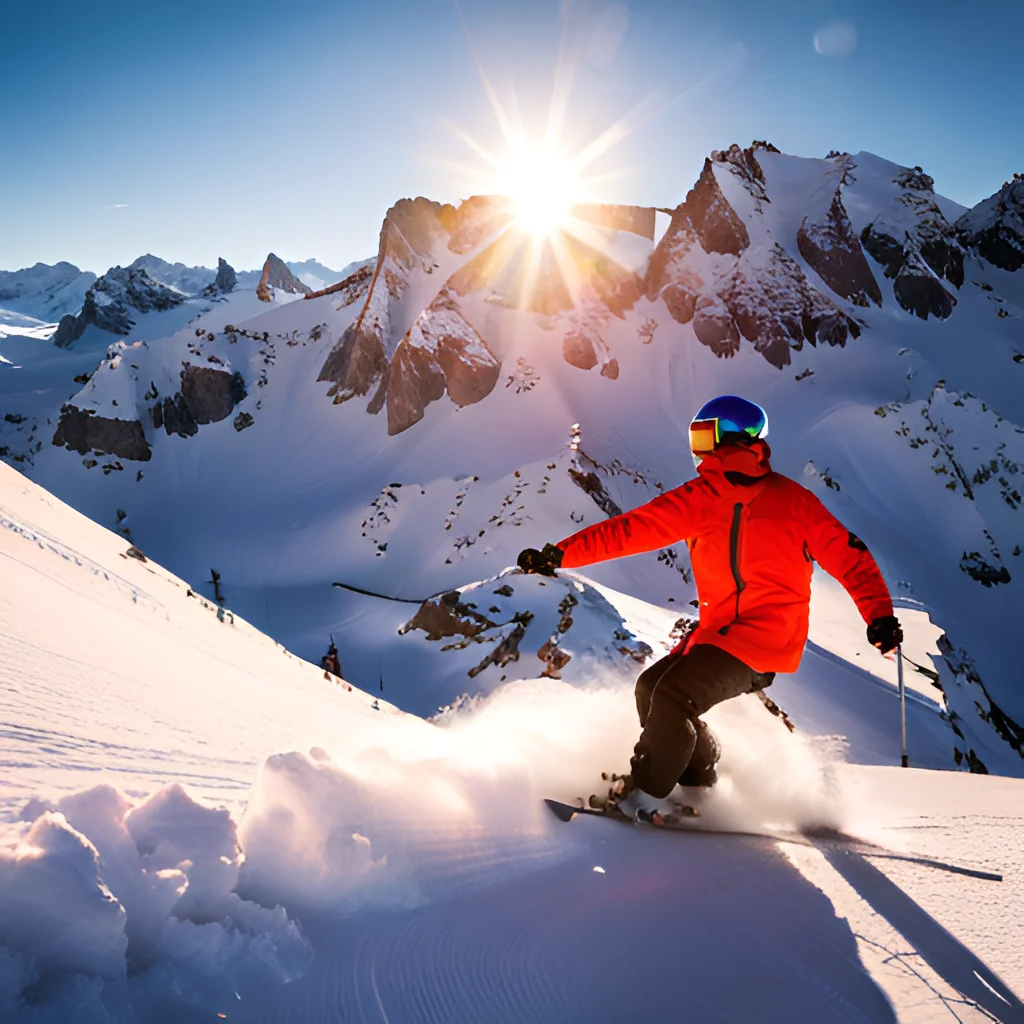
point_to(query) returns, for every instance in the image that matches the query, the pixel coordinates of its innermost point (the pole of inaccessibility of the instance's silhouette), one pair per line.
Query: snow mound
(101, 890)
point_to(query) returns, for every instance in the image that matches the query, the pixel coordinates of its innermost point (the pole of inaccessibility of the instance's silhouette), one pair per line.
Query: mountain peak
(277, 277)
(995, 227)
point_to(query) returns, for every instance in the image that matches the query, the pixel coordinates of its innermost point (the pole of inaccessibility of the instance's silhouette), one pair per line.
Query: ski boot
(624, 800)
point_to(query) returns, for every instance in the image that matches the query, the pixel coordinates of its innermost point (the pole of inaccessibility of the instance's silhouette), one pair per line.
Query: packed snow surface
(201, 826)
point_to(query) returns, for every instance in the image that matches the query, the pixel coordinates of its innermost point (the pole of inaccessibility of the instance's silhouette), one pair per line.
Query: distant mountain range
(43, 294)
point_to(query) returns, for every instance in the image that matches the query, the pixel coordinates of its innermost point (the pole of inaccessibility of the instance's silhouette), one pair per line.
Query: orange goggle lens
(703, 436)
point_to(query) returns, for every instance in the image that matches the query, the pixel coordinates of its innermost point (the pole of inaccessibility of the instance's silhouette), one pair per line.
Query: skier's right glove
(885, 633)
(543, 562)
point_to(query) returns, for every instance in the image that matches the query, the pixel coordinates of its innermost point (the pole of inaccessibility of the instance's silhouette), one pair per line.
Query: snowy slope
(385, 868)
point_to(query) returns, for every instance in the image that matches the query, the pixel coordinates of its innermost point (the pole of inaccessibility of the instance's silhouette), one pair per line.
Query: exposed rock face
(680, 301)
(413, 229)
(207, 395)
(706, 272)
(916, 289)
(440, 352)
(352, 288)
(81, 431)
(211, 394)
(225, 280)
(112, 301)
(476, 220)
(69, 330)
(833, 249)
(715, 327)
(712, 218)
(578, 350)
(405, 368)
(917, 246)
(277, 277)
(445, 616)
(995, 227)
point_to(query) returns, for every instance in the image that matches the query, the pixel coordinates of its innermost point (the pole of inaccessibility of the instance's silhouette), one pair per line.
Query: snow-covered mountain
(44, 293)
(411, 427)
(187, 280)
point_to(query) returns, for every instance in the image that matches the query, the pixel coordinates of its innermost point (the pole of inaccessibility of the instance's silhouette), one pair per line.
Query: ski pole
(904, 760)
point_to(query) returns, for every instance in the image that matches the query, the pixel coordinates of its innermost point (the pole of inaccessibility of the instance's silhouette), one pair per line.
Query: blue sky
(197, 130)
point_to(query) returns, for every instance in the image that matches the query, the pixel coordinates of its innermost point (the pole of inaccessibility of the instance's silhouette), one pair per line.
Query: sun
(542, 185)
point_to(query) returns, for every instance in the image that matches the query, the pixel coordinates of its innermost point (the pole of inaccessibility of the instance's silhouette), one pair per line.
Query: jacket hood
(738, 463)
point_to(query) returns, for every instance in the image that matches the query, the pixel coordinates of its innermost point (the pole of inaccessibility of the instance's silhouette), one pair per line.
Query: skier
(753, 536)
(329, 662)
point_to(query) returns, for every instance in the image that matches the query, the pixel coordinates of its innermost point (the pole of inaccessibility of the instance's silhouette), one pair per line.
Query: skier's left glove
(885, 633)
(543, 562)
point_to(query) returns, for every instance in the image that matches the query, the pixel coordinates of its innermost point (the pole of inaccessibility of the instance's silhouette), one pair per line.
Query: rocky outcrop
(277, 277)
(113, 301)
(833, 250)
(350, 289)
(225, 280)
(995, 227)
(705, 272)
(441, 352)
(712, 218)
(918, 247)
(916, 288)
(69, 330)
(412, 231)
(82, 431)
(207, 395)
(447, 615)
(578, 350)
(477, 220)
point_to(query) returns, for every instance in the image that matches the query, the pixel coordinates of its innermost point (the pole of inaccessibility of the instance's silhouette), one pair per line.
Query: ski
(821, 836)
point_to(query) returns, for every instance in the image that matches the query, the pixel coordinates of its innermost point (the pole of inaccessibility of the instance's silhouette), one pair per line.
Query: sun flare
(542, 187)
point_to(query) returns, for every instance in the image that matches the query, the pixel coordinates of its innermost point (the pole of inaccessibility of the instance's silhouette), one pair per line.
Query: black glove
(885, 633)
(544, 562)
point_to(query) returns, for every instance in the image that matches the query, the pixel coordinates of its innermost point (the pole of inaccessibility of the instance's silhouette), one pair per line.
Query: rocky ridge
(995, 227)
(410, 354)
(721, 267)
(918, 248)
(112, 301)
(276, 277)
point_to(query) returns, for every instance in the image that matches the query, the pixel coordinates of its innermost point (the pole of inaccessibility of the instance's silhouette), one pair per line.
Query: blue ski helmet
(725, 420)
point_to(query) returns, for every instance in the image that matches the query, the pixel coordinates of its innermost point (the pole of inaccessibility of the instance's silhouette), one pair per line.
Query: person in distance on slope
(330, 663)
(753, 536)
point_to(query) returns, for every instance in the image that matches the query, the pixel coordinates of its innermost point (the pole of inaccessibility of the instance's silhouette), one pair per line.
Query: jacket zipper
(734, 561)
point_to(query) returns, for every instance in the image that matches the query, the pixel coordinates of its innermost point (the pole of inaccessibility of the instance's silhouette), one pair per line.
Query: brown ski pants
(671, 695)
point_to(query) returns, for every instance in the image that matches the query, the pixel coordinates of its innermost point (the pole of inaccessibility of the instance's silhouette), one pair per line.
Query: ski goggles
(706, 435)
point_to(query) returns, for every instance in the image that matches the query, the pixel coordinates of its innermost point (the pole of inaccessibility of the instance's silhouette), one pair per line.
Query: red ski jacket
(753, 536)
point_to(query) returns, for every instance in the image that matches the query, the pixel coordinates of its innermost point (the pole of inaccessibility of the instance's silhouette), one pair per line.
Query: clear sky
(195, 130)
